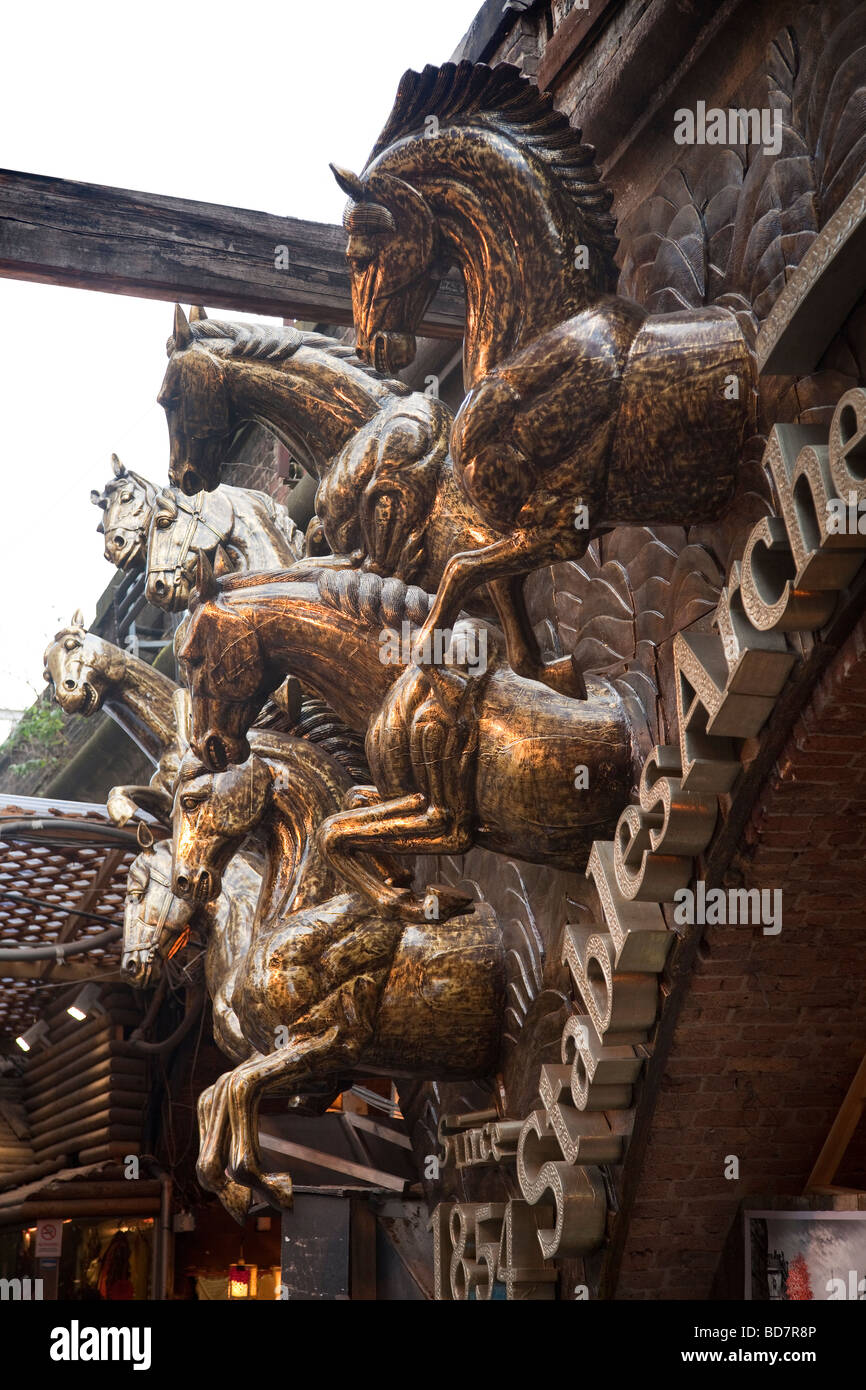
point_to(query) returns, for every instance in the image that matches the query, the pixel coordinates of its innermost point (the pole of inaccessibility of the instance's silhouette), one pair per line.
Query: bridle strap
(195, 519)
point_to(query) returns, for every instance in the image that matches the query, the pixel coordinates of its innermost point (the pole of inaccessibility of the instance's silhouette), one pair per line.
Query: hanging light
(243, 1280)
(34, 1035)
(86, 1002)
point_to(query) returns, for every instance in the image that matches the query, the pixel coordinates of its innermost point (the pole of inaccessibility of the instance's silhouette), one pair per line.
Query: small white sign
(49, 1235)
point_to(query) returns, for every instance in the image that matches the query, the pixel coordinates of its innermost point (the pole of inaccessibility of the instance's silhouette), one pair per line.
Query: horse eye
(189, 803)
(163, 522)
(70, 644)
(127, 497)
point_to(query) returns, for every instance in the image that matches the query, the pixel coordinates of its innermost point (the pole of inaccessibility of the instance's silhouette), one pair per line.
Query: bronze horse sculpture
(387, 498)
(238, 529)
(156, 922)
(86, 674)
(583, 411)
(127, 503)
(462, 751)
(329, 987)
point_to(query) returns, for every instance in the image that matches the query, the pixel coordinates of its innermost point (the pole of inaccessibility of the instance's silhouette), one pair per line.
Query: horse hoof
(278, 1188)
(236, 1200)
(441, 904)
(563, 676)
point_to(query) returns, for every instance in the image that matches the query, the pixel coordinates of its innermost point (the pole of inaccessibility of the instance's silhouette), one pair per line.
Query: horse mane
(361, 594)
(319, 725)
(276, 343)
(501, 98)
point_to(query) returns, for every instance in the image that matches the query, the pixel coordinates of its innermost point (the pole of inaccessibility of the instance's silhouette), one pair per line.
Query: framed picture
(794, 1256)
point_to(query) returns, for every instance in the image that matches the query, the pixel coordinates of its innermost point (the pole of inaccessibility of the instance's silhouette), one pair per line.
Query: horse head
(197, 404)
(212, 814)
(179, 530)
(224, 669)
(394, 254)
(153, 916)
(80, 668)
(127, 501)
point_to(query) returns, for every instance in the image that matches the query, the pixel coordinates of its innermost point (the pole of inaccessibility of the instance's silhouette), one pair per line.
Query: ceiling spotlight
(86, 1002)
(36, 1034)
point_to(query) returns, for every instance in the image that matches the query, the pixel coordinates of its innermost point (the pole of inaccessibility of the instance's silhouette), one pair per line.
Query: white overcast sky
(238, 104)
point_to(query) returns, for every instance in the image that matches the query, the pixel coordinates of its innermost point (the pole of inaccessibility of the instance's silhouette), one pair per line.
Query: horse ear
(97, 499)
(182, 330)
(100, 530)
(208, 588)
(77, 618)
(197, 314)
(351, 185)
(222, 563)
(117, 467)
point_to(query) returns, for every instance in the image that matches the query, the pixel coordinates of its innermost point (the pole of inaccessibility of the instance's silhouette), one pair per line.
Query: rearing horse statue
(463, 751)
(387, 498)
(583, 412)
(329, 987)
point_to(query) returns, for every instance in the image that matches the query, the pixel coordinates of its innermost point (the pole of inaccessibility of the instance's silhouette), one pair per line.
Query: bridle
(196, 519)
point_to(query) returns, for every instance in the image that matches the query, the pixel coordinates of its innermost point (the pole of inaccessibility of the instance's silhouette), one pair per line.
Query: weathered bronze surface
(461, 752)
(236, 528)
(127, 501)
(328, 986)
(387, 500)
(583, 411)
(87, 674)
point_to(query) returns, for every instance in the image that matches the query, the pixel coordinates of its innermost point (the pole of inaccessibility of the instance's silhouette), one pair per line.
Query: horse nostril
(182, 884)
(131, 967)
(69, 685)
(159, 588)
(216, 752)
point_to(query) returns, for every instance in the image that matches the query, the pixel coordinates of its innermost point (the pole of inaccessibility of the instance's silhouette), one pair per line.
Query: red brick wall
(773, 1028)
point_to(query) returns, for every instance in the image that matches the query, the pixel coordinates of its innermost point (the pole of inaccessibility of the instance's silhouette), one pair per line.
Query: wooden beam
(304, 1154)
(92, 237)
(70, 971)
(841, 1134)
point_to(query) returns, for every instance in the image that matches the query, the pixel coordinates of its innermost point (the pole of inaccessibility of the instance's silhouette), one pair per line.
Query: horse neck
(516, 254)
(140, 701)
(313, 402)
(254, 530)
(298, 874)
(303, 635)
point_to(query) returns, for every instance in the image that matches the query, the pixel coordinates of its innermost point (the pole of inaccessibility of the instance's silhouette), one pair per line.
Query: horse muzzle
(219, 751)
(137, 967)
(199, 886)
(387, 351)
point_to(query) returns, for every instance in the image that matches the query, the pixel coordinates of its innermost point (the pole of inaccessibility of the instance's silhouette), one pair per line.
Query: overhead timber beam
(91, 237)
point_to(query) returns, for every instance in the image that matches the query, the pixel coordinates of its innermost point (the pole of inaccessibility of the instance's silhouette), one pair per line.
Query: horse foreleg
(405, 825)
(510, 559)
(212, 1112)
(524, 653)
